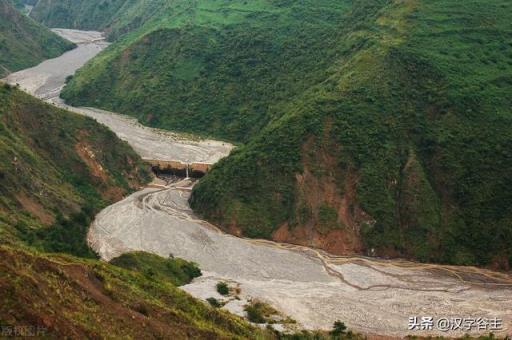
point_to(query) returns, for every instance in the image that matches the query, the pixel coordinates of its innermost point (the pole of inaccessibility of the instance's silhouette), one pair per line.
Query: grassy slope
(214, 67)
(177, 270)
(49, 190)
(57, 169)
(78, 298)
(115, 17)
(417, 110)
(23, 42)
(384, 121)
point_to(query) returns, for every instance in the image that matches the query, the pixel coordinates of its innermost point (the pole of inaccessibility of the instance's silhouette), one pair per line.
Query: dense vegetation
(24, 42)
(56, 170)
(411, 128)
(177, 270)
(228, 64)
(370, 125)
(115, 17)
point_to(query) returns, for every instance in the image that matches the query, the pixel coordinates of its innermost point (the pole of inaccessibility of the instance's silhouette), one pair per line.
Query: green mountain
(370, 126)
(403, 150)
(58, 296)
(214, 67)
(115, 17)
(24, 42)
(56, 170)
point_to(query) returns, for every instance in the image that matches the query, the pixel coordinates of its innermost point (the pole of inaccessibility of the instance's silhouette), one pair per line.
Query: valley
(373, 296)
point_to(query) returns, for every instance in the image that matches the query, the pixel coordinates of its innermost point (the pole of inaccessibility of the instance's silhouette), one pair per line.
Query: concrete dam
(178, 168)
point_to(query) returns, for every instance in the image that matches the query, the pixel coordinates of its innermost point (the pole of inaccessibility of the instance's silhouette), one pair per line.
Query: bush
(222, 288)
(214, 302)
(254, 314)
(339, 329)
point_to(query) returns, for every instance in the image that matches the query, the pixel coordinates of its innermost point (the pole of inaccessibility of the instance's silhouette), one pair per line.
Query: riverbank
(370, 295)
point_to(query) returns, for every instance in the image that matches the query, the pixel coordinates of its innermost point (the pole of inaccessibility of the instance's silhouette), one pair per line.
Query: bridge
(178, 168)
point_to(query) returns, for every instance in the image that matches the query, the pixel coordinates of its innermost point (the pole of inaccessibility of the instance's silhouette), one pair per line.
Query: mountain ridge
(24, 42)
(375, 139)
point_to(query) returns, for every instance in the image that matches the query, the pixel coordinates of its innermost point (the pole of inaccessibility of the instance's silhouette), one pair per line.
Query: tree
(222, 288)
(339, 329)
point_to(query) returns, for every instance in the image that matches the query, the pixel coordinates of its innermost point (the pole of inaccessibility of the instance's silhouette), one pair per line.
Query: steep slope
(403, 150)
(57, 296)
(24, 42)
(214, 67)
(115, 17)
(374, 126)
(56, 170)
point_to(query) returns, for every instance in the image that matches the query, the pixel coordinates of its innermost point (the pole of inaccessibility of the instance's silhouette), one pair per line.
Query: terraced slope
(371, 126)
(24, 42)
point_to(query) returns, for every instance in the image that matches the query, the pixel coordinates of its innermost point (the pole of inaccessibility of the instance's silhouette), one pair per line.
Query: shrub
(255, 314)
(214, 302)
(222, 288)
(339, 329)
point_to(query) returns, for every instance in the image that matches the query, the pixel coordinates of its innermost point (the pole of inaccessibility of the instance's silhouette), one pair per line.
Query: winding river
(314, 288)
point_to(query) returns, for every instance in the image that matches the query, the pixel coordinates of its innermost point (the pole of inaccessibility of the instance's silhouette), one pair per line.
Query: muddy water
(314, 288)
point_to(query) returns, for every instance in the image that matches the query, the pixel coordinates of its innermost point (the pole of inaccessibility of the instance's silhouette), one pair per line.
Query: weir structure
(178, 168)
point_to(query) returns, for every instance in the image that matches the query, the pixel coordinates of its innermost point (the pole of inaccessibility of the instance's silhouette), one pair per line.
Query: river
(314, 288)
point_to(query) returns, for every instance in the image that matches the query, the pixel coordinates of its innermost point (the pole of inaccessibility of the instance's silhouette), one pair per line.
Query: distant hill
(370, 126)
(56, 170)
(115, 17)
(230, 65)
(24, 42)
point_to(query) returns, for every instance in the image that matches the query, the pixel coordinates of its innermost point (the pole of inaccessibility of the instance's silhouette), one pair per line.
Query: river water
(373, 296)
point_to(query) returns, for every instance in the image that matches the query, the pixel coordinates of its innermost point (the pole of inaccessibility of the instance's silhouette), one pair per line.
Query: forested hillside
(370, 126)
(229, 64)
(24, 42)
(404, 150)
(115, 17)
(57, 169)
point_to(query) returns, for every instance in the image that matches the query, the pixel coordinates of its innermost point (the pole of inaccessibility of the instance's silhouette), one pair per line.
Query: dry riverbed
(314, 288)
(370, 295)
(47, 79)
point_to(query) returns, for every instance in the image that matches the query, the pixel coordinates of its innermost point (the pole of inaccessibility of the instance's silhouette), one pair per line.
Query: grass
(259, 312)
(49, 193)
(24, 42)
(178, 271)
(66, 295)
(409, 98)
